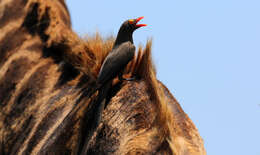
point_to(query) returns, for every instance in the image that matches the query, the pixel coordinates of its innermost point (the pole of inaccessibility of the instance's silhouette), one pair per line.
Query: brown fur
(47, 79)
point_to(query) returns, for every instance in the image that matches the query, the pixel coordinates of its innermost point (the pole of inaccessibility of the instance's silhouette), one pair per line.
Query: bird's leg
(120, 77)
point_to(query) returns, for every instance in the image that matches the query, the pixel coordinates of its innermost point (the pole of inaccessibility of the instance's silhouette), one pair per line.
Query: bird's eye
(131, 21)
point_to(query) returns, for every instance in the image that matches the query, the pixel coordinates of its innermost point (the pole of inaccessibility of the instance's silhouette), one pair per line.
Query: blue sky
(206, 52)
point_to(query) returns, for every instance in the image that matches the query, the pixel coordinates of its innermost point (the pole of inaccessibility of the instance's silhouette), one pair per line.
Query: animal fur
(47, 82)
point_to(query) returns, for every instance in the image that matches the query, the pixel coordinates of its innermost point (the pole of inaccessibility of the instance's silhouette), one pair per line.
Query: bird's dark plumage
(116, 61)
(122, 52)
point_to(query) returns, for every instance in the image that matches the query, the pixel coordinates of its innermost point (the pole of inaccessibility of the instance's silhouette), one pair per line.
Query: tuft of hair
(145, 70)
(100, 48)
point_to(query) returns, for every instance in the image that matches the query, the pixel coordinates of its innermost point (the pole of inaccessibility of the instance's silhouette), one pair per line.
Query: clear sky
(207, 52)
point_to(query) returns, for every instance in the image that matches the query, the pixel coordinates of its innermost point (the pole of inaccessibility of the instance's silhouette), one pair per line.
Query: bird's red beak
(139, 25)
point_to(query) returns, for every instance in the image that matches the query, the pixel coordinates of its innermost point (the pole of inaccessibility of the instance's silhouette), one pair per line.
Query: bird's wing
(116, 61)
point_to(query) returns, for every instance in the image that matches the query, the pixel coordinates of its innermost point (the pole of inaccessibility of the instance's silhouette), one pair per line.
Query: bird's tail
(99, 104)
(95, 114)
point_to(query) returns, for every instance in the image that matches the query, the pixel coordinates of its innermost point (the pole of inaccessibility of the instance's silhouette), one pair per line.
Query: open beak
(139, 25)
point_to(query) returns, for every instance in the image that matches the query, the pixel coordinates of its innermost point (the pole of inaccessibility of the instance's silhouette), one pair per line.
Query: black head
(126, 30)
(132, 24)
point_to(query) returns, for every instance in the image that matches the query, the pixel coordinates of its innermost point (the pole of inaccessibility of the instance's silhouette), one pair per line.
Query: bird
(122, 52)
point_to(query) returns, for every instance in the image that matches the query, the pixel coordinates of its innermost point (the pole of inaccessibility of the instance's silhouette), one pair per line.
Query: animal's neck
(123, 37)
